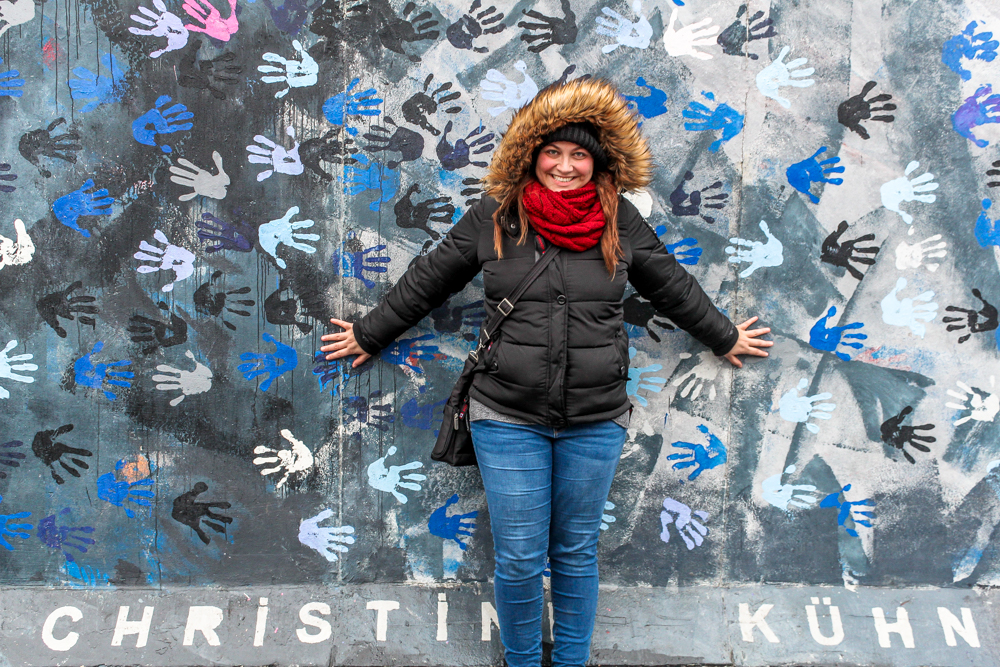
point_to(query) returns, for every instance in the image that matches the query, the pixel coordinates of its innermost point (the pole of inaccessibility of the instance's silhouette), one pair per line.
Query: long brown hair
(607, 192)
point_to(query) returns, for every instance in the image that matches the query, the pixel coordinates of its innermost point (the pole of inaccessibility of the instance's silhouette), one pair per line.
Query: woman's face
(563, 165)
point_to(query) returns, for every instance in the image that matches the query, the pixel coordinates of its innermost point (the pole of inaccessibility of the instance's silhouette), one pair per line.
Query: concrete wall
(184, 216)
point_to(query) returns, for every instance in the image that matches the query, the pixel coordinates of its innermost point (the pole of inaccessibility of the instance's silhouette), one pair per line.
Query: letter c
(67, 642)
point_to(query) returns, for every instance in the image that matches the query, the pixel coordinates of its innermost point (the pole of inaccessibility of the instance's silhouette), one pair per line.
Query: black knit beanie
(581, 134)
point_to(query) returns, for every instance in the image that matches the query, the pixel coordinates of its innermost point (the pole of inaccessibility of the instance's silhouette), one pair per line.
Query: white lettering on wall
(126, 627)
(258, 634)
(67, 642)
(204, 620)
(748, 622)
(382, 619)
(307, 618)
(490, 618)
(966, 629)
(817, 634)
(442, 633)
(901, 627)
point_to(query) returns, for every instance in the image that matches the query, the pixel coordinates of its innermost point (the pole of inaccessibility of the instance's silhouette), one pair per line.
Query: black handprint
(642, 313)
(976, 321)
(204, 74)
(550, 30)
(331, 147)
(736, 36)
(855, 109)
(208, 303)
(7, 177)
(458, 156)
(37, 143)
(378, 18)
(60, 304)
(10, 458)
(284, 311)
(417, 216)
(896, 435)
(158, 333)
(402, 140)
(473, 188)
(843, 253)
(994, 172)
(683, 203)
(451, 319)
(238, 236)
(190, 512)
(366, 410)
(50, 452)
(421, 104)
(463, 32)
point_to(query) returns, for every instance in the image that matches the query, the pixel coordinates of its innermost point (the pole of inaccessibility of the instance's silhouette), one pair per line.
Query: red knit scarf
(571, 219)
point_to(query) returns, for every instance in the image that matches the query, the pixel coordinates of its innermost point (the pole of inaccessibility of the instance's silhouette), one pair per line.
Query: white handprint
(190, 383)
(907, 312)
(325, 540)
(201, 181)
(784, 495)
(642, 200)
(902, 189)
(16, 12)
(388, 479)
(165, 24)
(16, 251)
(700, 376)
(778, 75)
(690, 529)
(983, 407)
(607, 519)
(172, 258)
(758, 254)
(912, 256)
(282, 230)
(10, 364)
(683, 42)
(282, 160)
(625, 32)
(498, 88)
(290, 461)
(795, 408)
(293, 73)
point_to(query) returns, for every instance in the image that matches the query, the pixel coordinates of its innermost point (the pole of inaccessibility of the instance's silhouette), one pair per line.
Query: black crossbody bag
(454, 441)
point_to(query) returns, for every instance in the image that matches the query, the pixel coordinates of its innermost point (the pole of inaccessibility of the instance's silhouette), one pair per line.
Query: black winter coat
(561, 357)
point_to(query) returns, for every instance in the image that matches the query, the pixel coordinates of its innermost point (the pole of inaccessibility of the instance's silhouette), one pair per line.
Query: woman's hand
(747, 342)
(344, 344)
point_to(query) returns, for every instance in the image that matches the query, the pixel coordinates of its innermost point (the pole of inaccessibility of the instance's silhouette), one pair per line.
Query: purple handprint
(424, 416)
(405, 353)
(975, 112)
(459, 155)
(702, 457)
(283, 360)
(827, 338)
(292, 14)
(238, 236)
(89, 375)
(63, 537)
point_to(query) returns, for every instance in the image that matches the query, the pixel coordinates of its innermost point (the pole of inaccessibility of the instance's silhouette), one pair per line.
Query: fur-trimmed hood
(630, 160)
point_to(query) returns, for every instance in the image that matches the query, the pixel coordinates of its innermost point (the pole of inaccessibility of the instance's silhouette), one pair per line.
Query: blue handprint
(274, 365)
(70, 207)
(420, 416)
(354, 263)
(981, 108)
(723, 117)
(118, 491)
(850, 514)
(98, 89)
(10, 84)
(686, 250)
(160, 120)
(803, 174)
(89, 375)
(8, 529)
(970, 46)
(367, 174)
(455, 527)
(405, 353)
(703, 458)
(61, 537)
(329, 371)
(648, 106)
(344, 104)
(636, 381)
(987, 230)
(828, 338)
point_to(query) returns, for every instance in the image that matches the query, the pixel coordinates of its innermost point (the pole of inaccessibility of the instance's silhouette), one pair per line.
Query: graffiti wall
(190, 190)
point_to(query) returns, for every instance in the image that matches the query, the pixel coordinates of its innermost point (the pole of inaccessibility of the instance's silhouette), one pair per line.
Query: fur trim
(630, 160)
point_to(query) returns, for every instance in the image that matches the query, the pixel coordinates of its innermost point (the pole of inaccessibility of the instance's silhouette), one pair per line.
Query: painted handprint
(11, 363)
(702, 375)
(759, 255)
(362, 175)
(335, 146)
(686, 251)
(394, 31)
(785, 496)
(634, 34)
(9, 529)
(209, 20)
(648, 106)
(995, 171)
(975, 403)
(355, 261)
(802, 175)
(389, 479)
(208, 73)
(191, 512)
(419, 215)
(161, 120)
(685, 522)
(363, 103)
(374, 410)
(896, 435)
(685, 41)
(88, 374)
(11, 83)
(829, 338)
(737, 36)
(236, 236)
(981, 108)
(62, 538)
(98, 89)
(189, 383)
(544, 31)
(855, 109)
(84, 201)
(457, 527)
(987, 230)
(405, 352)
(636, 381)
(283, 231)
(641, 313)
(913, 256)
(49, 451)
(459, 155)
(779, 74)
(683, 203)
(202, 182)
(60, 304)
(297, 460)
(162, 24)
(700, 457)
(10, 457)
(402, 140)
(17, 12)
(158, 333)
(910, 312)
(852, 513)
(281, 160)
(328, 372)
(424, 416)
(18, 250)
(976, 321)
(703, 119)
(300, 73)
(213, 303)
(325, 539)
(474, 24)
(847, 253)
(285, 311)
(969, 45)
(170, 258)
(42, 142)
(512, 96)
(7, 177)
(422, 104)
(607, 519)
(283, 360)
(800, 409)
(124, 486)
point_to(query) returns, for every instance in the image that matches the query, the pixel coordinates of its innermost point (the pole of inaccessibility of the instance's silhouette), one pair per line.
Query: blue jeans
(546, 491)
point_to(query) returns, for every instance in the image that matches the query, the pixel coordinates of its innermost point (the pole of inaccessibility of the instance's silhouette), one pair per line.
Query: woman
(549, 408)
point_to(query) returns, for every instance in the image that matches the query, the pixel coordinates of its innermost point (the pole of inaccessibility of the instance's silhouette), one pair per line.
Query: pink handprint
(214, 25)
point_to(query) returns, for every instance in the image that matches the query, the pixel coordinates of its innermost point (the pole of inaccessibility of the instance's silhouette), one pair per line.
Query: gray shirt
(478, 411)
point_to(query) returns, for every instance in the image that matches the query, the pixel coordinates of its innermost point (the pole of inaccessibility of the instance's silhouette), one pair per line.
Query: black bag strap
(505, 307)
